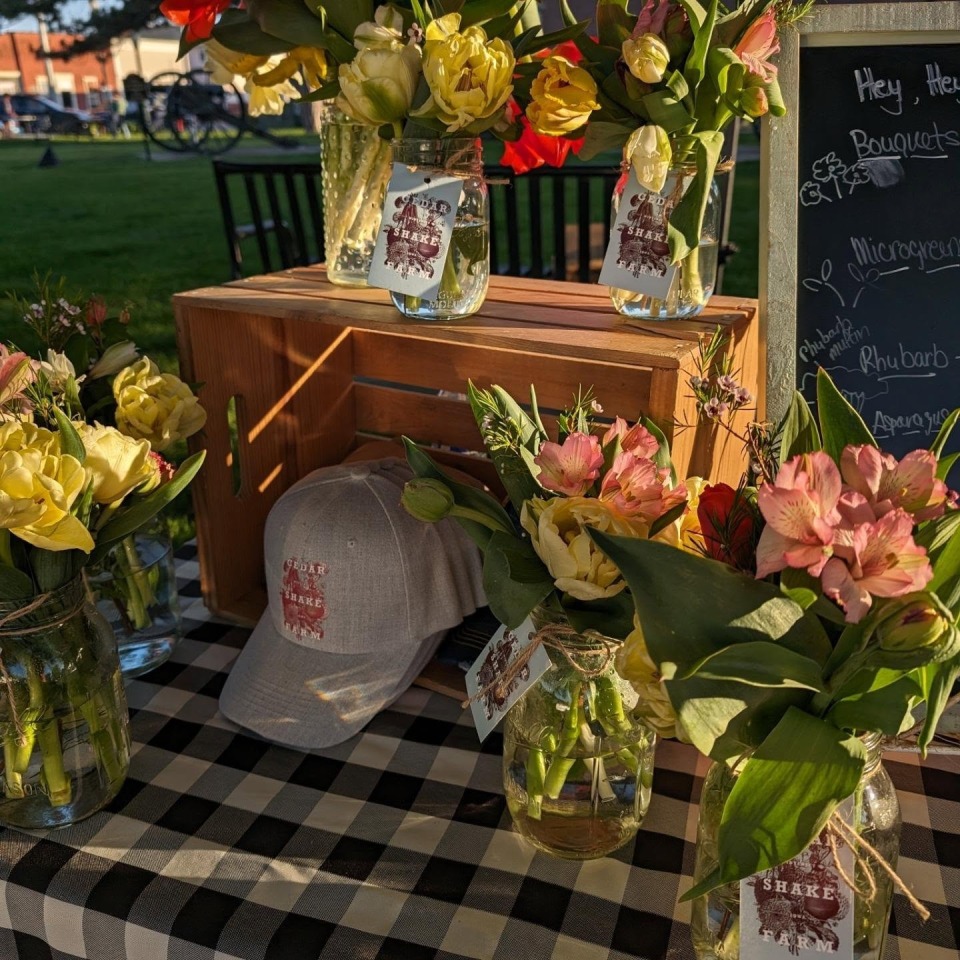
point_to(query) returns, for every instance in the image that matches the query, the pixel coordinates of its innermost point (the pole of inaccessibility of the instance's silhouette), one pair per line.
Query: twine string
(838, 828)
(553, 636)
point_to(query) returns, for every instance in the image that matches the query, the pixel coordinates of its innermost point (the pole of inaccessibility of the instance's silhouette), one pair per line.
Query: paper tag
(802, 907)
(638, 256)
(504, 647)
(418, 217)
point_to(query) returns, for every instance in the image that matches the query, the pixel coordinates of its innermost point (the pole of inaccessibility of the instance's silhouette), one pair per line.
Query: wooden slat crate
(297, 372)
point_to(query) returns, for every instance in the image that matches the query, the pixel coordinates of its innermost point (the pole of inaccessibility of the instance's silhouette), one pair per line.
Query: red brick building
(78, 81)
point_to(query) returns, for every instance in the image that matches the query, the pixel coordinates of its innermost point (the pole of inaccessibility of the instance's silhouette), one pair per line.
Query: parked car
(49, 116)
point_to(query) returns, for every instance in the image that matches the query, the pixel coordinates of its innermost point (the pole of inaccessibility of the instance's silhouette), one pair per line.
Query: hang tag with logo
(495, 673)
(415, 232)
(801, 908)
(638, 256)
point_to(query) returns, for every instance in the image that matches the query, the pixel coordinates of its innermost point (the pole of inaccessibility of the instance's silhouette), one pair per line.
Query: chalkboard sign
(873, 185)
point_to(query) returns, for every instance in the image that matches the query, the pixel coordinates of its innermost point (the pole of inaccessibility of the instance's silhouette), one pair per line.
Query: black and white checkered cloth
(395, 845)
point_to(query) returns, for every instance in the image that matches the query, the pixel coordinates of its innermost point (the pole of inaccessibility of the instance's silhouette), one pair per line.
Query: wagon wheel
(186, 113)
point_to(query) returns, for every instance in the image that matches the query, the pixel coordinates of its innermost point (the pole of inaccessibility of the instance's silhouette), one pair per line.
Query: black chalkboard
(878, 244)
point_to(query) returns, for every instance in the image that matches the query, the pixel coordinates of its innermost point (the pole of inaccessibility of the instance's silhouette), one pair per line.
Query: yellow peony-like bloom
(37, 491)
(154, 406)
(636, 666)
(18, 435)
(563, 96)
(647, 57)
(558, 529)
(116, 465)
(470, 77)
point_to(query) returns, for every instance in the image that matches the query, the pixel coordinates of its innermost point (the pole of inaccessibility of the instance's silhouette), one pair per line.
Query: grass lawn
(136, 232)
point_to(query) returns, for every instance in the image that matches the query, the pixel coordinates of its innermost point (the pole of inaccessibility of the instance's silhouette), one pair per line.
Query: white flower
(114, 359)
(58, 370)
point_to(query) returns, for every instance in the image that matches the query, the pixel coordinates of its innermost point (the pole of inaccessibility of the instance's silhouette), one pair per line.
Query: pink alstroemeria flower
(800, 508)
(877, 558)
(758, 44)
(571, 467)
(911, 484)
(637, 439)
(17, 372)
(636, 487)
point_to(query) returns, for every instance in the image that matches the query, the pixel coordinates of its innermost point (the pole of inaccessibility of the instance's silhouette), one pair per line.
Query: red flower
(534, 149)
(198, 16)
(729, 525)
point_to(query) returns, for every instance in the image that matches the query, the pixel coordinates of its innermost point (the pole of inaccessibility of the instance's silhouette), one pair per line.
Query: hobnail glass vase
(715, 923)
(696, 275)
(63, 713)
(355, 165)
(466, 269)
(577, 761)
(135, 588)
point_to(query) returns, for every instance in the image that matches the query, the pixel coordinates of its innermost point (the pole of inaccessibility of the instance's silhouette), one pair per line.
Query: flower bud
(114, 359)
(646, 57)
(427, 499)
(754, 102)
(648, 149)
(915, 623)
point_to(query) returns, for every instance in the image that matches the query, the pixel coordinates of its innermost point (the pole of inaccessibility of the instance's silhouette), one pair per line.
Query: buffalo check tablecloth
(394, 845)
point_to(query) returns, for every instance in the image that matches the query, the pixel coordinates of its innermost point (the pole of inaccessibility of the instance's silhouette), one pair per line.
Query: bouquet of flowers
(819, 607)
(662, 85)
(540, 562)
(69, 492)
(93, 373)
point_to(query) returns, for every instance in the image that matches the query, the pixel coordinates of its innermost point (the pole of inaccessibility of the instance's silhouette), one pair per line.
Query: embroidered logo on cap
(301, 594)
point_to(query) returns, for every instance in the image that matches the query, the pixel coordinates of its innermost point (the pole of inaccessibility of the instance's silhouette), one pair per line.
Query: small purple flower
(742, 395)
(726, 382)
(697, 382)
(415, 33)
(715, 407)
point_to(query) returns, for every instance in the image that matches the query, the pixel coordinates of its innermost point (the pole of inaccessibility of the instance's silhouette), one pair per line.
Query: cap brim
(300, 697)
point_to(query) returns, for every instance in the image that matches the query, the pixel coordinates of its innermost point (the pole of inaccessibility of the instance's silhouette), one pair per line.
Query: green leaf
(610, 617)
(686, 220)
(602, 136)
(798, 430)
(290, 20)
(695, 12)
(938, 682)
(945, 465)
(70, 442)
(799, 585)
(504, 26)
(840, 424)
(567, 15)
(346, 17)
(614, 24)
(510, 600)
(726, 69)
(666, 111)
(662, 457)
(720, 606)
(463, 495)
(759, 663)
(778, 107)
(14, 583)
(245, 36)
(479, 11)
(943, 435)
(664, 521)
(547, 40)
(128, 520)
(883, 709)
(784, 796)
(695, 65)
(677, 84)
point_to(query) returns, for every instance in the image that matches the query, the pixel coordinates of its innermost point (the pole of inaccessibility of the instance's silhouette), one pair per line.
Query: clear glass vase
(63, 714)
(577, 761)
(696, 275)
(715, 923)
(135, 588)
(356, 165)
(466, 270)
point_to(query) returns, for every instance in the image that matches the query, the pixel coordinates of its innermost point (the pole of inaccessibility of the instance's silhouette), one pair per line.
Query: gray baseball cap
(359, 597)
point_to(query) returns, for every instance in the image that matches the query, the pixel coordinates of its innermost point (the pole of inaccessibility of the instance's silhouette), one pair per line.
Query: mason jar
(465, 272)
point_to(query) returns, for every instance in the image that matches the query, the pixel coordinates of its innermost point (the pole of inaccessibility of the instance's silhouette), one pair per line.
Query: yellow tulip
(154, 406)
(647, 57)
(379, 84)
(116, 465)
(55, 483)
(558, 530)
(636, 666)
(19, 435)
(470, 78)
(563, 97)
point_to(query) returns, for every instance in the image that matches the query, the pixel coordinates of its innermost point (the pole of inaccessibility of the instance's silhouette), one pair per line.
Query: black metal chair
(279, 205)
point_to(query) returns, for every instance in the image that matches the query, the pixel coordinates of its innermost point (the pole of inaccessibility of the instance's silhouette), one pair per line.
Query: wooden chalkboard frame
(836, 25)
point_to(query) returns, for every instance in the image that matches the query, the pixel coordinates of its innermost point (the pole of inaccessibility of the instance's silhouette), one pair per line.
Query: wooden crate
(297, 372)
